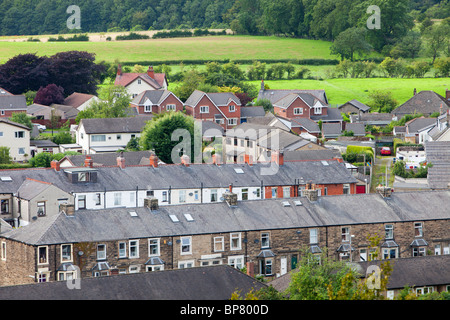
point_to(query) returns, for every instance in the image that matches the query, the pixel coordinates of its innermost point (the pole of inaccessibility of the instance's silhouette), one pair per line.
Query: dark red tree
(49, 94)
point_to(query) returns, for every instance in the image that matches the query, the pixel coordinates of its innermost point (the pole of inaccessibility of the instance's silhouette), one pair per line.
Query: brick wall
(19, 266)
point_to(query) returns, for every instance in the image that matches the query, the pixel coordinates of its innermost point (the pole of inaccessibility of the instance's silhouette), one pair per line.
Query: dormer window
(83, 176)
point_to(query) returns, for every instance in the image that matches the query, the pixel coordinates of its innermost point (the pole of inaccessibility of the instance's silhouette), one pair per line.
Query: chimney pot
(119, 70)
(248, 159)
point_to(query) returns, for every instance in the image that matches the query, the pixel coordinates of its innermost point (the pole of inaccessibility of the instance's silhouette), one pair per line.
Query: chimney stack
(185, 160)
(150, 72)
(310, 192)
(151, 203)
(278, 157)
(216, 159)
(68, 209)
(121, 161)
(154, 161)
(55, 165)
(230, 197)
(415, 91)
(447, 95)
(248, 159)
(119, 70)
(384, 191)
(88, 162)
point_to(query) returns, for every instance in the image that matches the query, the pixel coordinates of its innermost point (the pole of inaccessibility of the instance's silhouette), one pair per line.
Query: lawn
(340, 91)
(198, 48)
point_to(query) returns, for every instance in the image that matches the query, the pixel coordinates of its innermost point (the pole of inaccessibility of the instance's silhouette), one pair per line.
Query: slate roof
(275, 95)
(416, 271)
(43, 143)
(415, 125)
(301, 155)
(126, 78)
(13, 102)
(155, 96)
(3, 92)
(110, 159)
(359, 105)
(374, 118)
(253, 111)
(425, 102)
(357, 128)
(31, 188)
(288, 99)
(200, 283)
(331, 130)
(115, 125)
(269, 214)
(218, 98)
(306, 123)
(180, 176)
(76, 99)
(333, 114)
(69, 111)
(438, 154)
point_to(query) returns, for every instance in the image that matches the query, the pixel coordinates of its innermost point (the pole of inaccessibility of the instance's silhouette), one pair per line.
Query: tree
(114, 103)
(49, 95)
(22, 118)
(75, 71)
(4, 155)
(191, 80)
(349, 42)
(443, 66)
(42, 159)
(382, 101)
(437, 38)
(408, 47)
(24, 72)
(157, 136)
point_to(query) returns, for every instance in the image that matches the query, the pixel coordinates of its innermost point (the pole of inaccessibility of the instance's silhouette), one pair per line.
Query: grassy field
(340, 91)
(203, 48)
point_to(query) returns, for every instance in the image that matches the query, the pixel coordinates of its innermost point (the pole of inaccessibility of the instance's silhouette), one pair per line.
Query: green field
(200, 48)
(340, 91)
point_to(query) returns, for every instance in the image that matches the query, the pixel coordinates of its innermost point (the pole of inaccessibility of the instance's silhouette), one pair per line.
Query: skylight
(324, 163)
(188, 217)
(173, 218)
(133, 213)
(6, 178)
(238, 170)
(298, 202)
(286, 204)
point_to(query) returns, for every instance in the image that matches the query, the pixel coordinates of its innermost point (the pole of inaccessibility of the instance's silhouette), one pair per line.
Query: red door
(360, 189)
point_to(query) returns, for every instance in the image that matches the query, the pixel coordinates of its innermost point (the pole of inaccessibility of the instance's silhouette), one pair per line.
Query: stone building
(267, 237)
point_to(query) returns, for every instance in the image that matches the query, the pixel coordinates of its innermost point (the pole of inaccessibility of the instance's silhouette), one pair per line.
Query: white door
(283, 265)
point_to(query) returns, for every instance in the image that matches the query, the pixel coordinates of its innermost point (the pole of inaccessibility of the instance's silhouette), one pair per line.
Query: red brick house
(10, 104)
(139, 82)
(156, 101)
(224, 108)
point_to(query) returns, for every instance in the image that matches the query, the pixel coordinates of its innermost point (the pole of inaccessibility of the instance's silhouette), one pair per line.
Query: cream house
(16, 137)
(108, 134)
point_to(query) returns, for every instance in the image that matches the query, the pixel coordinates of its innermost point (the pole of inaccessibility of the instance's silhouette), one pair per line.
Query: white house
(137, 83)
(108, 134)
(16, 137)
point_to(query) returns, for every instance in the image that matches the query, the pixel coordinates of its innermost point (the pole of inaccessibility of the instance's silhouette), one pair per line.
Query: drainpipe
(137, 196)
(104, 199)
(170, 194)
(201, 192)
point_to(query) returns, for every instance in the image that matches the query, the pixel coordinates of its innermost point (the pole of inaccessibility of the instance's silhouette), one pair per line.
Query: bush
(132, 36)
(172, 34)
(359, 149)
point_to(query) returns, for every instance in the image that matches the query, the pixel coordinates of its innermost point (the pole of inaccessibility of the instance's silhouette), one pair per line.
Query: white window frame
(318, 110)
(148, 108)
(185, 245)
(418, 229)
(133, 246)
(298, 111)
(101, 254)
(171, 107)
(3, 249)
(70, 259)
(41, 206)
(204, 109)
(98, 138)
(155, 267)
(219, 244)
(231, 108)
(134, 268)
(213, 195)
(19, 134)
(313, 236)
(235, 237)
(236, 261)
(232, 121)
(345, 234)
(39, 262)
(154, 243)
(184, 264)
(122, 251)
(286, 192)
(265, 240)
(389, 231)
(117, 198)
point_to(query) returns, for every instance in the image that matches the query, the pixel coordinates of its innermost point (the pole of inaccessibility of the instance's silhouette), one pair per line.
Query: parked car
(385, 151)
(40, 127)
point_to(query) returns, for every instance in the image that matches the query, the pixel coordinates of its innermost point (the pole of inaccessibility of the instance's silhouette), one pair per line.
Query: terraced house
(90, 187)
(265, 236)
